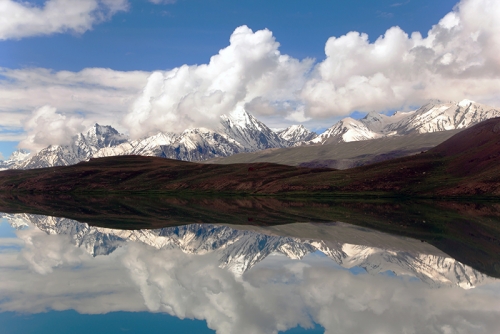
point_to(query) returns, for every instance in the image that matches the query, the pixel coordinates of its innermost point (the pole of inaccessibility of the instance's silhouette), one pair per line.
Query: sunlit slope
(344, 155)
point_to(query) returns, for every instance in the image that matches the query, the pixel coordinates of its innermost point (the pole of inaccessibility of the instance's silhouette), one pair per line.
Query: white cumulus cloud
(46, 127)
(96, 94)
(458, 59)
(250, 68)
(23, 19)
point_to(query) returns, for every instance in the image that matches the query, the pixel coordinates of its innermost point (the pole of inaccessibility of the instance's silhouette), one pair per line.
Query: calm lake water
(58, 275)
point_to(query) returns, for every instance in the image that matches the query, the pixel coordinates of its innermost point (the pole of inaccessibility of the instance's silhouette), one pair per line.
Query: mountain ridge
(241, 132)
(429, 174)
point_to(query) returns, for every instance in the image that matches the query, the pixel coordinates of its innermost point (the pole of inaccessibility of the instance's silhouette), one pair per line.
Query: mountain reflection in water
(246, 279)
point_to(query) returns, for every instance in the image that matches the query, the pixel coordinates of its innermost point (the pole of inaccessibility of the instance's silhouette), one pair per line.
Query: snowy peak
(241, 118)
(82, 147)
(201, 144)
(15, 158)
(465, 103)
(376, 122)
(151, 146)
(241, 132)
(345, 130)
(434, 116)
(19, 155)
(296, 133)
(99, 136)
(251, 133)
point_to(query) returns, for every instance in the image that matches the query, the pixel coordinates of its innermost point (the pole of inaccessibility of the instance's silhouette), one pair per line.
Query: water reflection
(246, 280)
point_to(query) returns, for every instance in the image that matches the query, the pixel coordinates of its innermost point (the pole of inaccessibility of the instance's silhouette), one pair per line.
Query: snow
(465, 103)
(296, 133)
(241, 132)
(432, 117)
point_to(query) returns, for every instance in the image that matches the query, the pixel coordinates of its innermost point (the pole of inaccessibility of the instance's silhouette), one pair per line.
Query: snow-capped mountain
(432, 117)
(296, 134)
(83, 146)
(251, 133)
(191, 145)
(345, 130)
(239, 132)
(240, 250)
(15, 158)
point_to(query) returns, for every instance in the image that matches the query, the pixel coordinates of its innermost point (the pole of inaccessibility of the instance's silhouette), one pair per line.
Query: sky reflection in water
(238, 281)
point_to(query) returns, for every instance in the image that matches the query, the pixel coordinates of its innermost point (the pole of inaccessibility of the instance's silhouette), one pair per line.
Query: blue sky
(148, 66)
(158, 37)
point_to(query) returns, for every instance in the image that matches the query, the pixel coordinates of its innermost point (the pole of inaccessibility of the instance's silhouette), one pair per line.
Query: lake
(247, 265)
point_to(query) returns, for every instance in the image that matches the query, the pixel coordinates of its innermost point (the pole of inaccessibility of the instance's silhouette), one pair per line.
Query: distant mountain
(345, 130)
(240, 132)
(473, 170)
(15, 158)
(191, 145)
(83, 146)
(296, 134)
(251, 133)
(240, 250)
(433, 117)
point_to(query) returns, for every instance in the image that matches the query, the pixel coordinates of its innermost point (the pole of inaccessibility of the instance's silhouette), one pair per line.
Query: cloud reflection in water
(185, 277)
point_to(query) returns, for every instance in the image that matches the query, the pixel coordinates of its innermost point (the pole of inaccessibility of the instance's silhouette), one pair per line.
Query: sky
(145, 66)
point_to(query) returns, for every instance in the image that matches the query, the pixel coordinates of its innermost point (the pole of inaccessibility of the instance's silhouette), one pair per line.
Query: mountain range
(240, 132)
(240, 250)
(435, 116)
(464, 165)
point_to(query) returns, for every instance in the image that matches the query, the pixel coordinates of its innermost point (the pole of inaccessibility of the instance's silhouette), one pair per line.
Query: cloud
(458, 59)
(47, 127)
(275, 295)
(398, 4)
(163, 2)
(251, 67)
(23, 19)
(385, 15)
(36, 278)
(101, 95)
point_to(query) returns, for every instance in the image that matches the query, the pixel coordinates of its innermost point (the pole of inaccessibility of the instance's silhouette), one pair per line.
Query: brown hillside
(476, 150)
